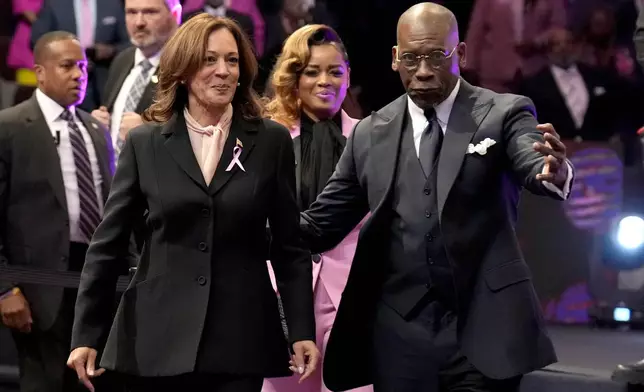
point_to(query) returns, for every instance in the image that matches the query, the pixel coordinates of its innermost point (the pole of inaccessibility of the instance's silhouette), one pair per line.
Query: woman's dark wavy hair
(185, 53)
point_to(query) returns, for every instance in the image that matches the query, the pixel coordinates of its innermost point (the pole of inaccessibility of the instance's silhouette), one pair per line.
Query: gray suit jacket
(119, 70)
(34, 222)
(501, 327)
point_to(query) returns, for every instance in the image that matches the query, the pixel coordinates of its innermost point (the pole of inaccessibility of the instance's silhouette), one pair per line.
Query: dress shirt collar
(51, 109)
(443, 109)
(563, 72)
(139, 57)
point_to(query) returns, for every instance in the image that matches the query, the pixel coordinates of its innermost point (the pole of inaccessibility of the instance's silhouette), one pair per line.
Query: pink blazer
(335, 265)
(20, 55)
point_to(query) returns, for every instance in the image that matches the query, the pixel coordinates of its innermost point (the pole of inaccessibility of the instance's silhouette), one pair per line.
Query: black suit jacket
(244, 21)
(603, 113)
(34, 222)
(500, 325)
(204, 243)
(119, 70)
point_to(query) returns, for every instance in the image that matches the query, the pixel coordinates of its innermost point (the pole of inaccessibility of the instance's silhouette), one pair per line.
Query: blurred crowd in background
(574, 58)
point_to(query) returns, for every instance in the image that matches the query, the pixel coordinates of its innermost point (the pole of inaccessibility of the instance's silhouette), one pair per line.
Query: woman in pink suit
(309, 84)
(20, 55)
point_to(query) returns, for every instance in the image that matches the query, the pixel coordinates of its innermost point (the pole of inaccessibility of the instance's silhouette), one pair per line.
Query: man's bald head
(428, 54)
(428, 14)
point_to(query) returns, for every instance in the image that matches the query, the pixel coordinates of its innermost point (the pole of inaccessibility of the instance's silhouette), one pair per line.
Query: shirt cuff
(565, 191)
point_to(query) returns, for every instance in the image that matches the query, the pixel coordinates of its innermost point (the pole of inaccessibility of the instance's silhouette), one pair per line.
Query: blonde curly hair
(283, 105)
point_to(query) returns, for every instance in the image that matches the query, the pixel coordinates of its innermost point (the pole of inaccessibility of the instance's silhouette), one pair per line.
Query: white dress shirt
(574, 91)
(128, 83)
(443, 111)
(60, 131)
(419, 122)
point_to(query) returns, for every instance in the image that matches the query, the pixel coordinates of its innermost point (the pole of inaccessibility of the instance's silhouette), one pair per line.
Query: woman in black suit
(200, 312)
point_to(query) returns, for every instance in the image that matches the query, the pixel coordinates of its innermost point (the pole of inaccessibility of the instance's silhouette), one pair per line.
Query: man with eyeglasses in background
(439, 297)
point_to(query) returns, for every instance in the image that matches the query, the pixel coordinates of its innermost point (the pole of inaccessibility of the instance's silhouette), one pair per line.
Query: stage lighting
(630, 232)
(623, 251)
(623, 244)
(622, 315)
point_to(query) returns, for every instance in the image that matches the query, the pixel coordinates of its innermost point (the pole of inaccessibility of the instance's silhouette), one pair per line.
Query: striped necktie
(88, 200)
(134, 96)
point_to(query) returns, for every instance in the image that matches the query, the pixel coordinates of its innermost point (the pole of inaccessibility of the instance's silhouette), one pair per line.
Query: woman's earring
(238, 84)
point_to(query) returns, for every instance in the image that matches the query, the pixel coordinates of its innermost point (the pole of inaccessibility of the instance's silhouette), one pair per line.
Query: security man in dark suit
(55, 172)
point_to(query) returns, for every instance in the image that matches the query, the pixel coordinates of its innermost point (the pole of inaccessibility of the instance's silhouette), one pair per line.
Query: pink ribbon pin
(236, 154)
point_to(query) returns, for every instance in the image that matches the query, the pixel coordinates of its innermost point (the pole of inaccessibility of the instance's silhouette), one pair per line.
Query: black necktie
(89, 211)
(430, 142)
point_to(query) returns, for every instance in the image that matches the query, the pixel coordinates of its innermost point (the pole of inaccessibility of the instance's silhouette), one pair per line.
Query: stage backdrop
(562, 241)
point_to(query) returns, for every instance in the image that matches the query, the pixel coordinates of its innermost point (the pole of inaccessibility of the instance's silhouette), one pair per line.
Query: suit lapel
(123, 72)
(464, 121)
(103, 9)
(385, 140)
(180, 148)
(240, 130)
(99, 139)
(45, 148)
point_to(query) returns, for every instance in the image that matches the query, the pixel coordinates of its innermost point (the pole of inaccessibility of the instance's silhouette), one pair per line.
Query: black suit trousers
(42, 354)
(193, 382)
(422, 354)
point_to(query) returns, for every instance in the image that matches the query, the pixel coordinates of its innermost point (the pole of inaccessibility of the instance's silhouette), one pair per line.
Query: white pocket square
(599, 90)
(480, 148)
(109, 20)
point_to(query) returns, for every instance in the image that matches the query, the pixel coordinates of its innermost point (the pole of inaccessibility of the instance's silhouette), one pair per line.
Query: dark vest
(418, 270)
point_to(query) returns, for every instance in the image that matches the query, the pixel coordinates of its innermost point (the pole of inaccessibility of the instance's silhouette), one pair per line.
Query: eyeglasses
(435, 58)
